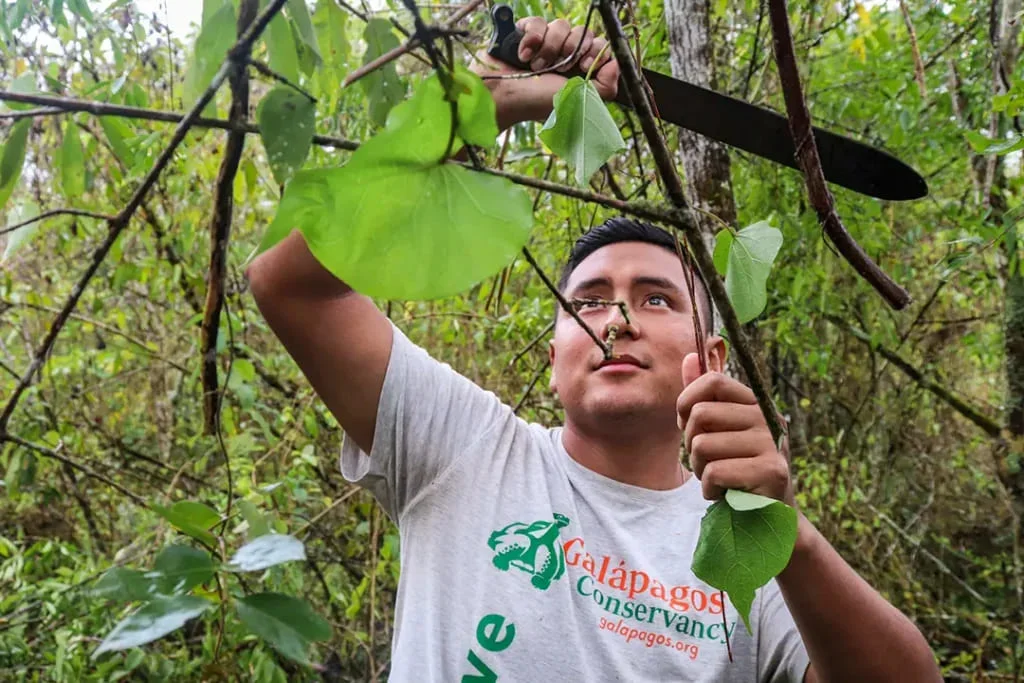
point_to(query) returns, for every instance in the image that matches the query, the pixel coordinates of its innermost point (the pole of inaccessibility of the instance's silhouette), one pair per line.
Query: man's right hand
(544, 44)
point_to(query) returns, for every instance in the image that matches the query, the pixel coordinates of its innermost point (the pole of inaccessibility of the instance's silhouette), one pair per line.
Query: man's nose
(618, 317)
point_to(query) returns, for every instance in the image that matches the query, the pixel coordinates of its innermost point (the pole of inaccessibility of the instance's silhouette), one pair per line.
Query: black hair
(622, 229)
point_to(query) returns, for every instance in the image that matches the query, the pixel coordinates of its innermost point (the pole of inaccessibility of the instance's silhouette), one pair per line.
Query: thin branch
(235, 60)
(684, 217)
(533, 382)
(281, 78)
(918, 64)
(533, 342)
(29, 113)
(810, 163)
(50, 453)
(56, 212)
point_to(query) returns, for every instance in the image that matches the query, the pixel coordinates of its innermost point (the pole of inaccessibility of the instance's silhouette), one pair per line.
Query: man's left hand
(728, 440)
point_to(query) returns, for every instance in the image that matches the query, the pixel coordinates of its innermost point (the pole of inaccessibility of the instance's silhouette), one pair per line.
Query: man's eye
(657, 300)
(580, 304)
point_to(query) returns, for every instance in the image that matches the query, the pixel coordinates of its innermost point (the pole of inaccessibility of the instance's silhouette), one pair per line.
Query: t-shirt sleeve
(781, 655)
(428, 417)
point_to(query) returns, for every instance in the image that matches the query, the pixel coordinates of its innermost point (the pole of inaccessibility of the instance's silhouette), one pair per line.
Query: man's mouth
(620, 360)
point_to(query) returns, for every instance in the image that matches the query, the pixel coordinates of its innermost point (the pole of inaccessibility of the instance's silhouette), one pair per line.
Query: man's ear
(717, 353)
(551, 363)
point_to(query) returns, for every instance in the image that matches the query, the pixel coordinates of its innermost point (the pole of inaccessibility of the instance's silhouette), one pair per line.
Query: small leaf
(81, 8)
(286, 119)
(383, 87)
(750, 261)
(289, 624)
(13, 159)
(180, 568)
(284, 57)
(739, 551)
(266, 551)
(153, 620)
(478, 124)
(304, 26)
(117, 131)
(25, 84)
(723, 243)
(986, 145)
(216, 37)
(193, 519)
(20, 237)
(330, 22)
(120, 583)
(258, 525)
(580, 129)
(72, 163)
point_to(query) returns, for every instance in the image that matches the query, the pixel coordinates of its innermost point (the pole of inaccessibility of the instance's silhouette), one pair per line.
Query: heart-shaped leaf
(180, 568)
(289, 624)
(751, 254)
(580, 129)
(740, 550)
(286, 119)
(153, 620)
(266, 551)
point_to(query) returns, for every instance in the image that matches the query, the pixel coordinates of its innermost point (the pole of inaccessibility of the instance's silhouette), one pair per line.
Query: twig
(234, 60)
(918, 64)
(50, 453)
(685, 219)
(29, 113)
(409, 46)
(566, 306)
(810, 163)
(533, 382)
(56, 212)
(533, 342)
(754, 51)
(281, 78)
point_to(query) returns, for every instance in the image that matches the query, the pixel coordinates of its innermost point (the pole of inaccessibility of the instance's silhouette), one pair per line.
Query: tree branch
(684, 218)
(234, 60)
(918, 64)
(270, 73)
(56, 212)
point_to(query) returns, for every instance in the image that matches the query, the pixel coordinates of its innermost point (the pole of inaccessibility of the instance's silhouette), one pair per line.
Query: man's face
(645, 377)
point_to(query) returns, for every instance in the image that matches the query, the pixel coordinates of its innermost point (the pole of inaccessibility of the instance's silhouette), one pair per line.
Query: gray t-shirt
(520, 564)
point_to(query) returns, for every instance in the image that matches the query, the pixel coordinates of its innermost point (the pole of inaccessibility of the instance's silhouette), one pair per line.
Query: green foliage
(286, 118)
(13, 158)
(285, 622)
(72, 162)
(193, 519)
(153, 620)
(745, 541)
(746, 260)
(216, 37)
(384, 89)
(580, 129)
(266, 551)
(284, 56)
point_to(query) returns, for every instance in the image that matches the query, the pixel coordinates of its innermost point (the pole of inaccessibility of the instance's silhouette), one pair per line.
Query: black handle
(506, 37)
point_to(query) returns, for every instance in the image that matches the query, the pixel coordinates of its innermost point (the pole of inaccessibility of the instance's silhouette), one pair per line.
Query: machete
(845, 161)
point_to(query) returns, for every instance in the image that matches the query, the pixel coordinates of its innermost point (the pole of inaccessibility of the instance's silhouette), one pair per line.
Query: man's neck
(650, 460)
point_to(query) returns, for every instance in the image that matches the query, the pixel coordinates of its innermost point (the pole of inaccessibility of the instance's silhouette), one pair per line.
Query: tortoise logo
(533, 548)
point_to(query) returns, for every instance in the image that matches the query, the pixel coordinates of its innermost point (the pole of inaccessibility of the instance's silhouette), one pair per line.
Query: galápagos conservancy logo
(533, 548)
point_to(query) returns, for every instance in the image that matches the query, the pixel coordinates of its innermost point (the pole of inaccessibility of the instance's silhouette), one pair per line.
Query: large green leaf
(287, 119)
(153, 620)
(330, 22)
(72, 163)
(194, 519)
(580, 129)
(751, 254)
(413, 228)
(304, 27)
(745, 541)
(180, 568)
(13, 159)
(122, 584)
(216, 37)
(478, 124)
(384, 89)
(284, 57)
(266, 551)
(289, 624)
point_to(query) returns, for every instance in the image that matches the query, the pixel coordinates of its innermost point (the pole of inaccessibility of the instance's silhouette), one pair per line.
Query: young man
(535, 554)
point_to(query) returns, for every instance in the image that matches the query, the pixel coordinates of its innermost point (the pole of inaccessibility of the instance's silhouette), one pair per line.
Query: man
(534, 554)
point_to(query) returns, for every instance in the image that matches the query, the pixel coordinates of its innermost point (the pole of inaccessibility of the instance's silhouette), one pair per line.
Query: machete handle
(505, 38)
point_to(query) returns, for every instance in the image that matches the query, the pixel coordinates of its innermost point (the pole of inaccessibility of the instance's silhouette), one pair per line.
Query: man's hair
(622, 229)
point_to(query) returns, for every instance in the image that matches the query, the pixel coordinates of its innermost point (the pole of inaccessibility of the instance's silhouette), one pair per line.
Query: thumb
(691, 369)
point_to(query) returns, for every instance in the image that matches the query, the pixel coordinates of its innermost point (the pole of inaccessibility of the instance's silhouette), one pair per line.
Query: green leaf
(986, 145)
(435, 215)
(289, 624)
(216, 37)
(258, 525)
(745, 501)
(153, 620)
(739, 551)
(13, 159)
(478, 124)
(193, 519)
(383, 87)
(330, 22)
(117, 131)
(25, 84)
(81, 8)
(266, 551)
(180, 568)
(751, 255)
(304, 26)
(72, 163)
(284, 58)
(723, 243)
(286, 119)
(580, 129)
(120, 583)
(20, 237)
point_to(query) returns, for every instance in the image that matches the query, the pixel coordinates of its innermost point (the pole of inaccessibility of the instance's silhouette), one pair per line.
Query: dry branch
(56, 212)
(810, 163)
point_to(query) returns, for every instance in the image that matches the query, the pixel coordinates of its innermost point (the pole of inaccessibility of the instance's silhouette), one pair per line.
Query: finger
(691, 369)
(577, 37)
(596, 47)
(554, 39)
(533, 29)
(712, 386)
(766, 475)
(708, 448)
(607, 80)
(710, 418)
